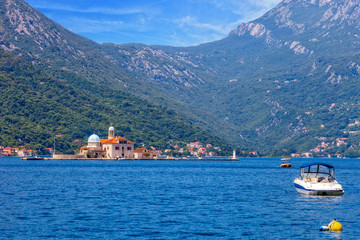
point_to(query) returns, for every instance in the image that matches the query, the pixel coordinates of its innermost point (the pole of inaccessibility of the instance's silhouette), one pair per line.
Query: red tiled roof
(115, 140)
(121, 139)
(140, 150)
(108, 141)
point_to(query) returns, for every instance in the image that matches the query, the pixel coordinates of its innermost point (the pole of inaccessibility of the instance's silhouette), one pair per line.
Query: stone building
(111, 148)
(143, 153)
(93, 149)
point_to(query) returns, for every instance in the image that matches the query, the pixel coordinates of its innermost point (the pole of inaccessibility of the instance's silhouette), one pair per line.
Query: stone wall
(67, 157)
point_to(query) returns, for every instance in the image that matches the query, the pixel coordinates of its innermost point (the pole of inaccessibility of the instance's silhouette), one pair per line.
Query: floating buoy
(336, 227)
(324, 228)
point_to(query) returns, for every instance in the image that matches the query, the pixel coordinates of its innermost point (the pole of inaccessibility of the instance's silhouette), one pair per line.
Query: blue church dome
(94, 139)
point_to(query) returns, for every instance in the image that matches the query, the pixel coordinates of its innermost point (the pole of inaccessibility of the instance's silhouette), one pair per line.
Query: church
(111, 148)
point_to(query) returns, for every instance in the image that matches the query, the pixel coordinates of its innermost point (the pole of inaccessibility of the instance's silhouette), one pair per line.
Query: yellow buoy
(335, 227)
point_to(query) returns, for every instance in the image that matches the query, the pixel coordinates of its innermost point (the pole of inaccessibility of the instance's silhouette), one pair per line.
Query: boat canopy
(316, 163)
(316, 170)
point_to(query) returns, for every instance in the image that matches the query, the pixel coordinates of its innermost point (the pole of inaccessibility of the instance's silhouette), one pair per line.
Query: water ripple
(249, 199)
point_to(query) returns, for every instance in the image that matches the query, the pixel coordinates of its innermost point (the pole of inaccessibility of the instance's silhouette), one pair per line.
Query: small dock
(32, 158)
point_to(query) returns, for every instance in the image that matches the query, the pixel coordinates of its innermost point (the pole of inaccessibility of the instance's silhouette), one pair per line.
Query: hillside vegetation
(287, 82)
(277, 84)
(35, 106)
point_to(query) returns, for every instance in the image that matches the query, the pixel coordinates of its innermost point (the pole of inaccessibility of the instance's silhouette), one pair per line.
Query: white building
(111, 148)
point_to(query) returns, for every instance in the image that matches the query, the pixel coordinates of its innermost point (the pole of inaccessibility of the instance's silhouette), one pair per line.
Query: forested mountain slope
(57, 82)
(279, 82)
(35, 106)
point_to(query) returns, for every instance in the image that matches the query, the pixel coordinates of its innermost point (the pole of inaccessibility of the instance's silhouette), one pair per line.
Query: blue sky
(153, 22)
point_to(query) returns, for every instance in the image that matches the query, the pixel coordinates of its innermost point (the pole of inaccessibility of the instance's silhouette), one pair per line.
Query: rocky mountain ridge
(28, 22)
(156, 64)
(299, 47)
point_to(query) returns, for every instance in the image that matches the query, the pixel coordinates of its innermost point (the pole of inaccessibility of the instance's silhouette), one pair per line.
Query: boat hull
(331, 189)
(286, 165)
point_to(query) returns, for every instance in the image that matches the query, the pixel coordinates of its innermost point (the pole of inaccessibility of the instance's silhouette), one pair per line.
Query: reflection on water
(318, 198)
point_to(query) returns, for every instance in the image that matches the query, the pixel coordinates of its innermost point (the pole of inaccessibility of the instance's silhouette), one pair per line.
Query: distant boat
(285, 163)
(32, 158)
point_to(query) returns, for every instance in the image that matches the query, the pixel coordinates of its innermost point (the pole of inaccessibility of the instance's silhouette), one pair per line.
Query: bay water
(252, 198)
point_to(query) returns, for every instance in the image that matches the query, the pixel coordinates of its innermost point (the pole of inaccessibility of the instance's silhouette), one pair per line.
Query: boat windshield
(318, 173)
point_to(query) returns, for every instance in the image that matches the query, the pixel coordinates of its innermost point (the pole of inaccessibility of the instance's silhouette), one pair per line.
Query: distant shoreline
(159, 159)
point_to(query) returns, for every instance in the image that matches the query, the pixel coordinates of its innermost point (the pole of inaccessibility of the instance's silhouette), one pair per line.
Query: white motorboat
(318, 179)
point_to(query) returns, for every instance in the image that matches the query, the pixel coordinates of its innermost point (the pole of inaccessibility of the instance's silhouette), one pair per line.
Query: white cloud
(193, 22)
(236, 5)
(266, 3)
(201, 32)
(245, 10)
(84, 25)
(198, 32)
(180, 26)
(193, 39)
(103, 10)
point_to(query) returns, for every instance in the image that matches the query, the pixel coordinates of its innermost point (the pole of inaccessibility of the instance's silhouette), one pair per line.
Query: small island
(119, 148)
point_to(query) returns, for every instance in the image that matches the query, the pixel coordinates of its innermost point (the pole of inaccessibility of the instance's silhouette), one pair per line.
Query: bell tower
(111, 133)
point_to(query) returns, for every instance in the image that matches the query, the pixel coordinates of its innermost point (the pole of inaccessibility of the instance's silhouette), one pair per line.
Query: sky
(153, 22)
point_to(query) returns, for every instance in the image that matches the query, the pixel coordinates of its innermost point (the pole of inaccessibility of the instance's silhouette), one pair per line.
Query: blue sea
(248, 199)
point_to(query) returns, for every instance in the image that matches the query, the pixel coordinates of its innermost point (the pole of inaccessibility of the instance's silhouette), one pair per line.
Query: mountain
(280, 82)
(53, 82)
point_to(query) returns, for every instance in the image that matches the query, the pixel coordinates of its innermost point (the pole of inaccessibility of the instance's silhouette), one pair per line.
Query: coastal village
(117, 147)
